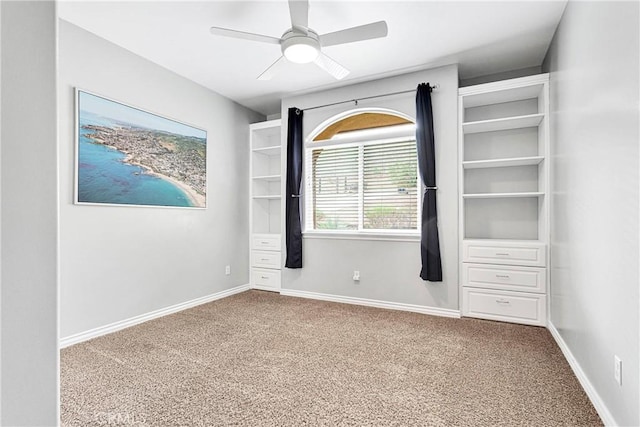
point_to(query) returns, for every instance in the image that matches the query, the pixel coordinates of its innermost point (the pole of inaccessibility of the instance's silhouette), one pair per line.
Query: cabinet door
(265, 279)
(266, 242)
(515, 307)
(494, 252)
(266, 259)
(527, 279)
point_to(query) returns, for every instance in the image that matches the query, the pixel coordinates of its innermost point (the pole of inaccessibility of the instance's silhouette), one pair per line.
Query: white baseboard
(593, 395)
(434, 311)
(122, 324)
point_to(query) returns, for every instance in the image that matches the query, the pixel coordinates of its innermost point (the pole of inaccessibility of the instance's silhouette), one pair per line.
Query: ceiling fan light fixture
(301, 53)
(301, 49)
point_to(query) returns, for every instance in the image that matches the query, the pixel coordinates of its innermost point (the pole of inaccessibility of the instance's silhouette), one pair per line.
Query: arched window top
(359, 121)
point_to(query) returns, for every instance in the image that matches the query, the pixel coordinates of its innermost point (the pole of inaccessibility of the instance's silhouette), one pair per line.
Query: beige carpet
(261, 359)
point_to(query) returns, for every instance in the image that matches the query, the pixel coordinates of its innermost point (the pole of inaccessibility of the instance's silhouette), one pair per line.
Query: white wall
(29, 357)
(389, 270)
(594, 68)
(120, 262)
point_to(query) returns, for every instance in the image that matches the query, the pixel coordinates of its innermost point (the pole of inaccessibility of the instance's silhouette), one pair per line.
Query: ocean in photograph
(104, 177)
(138, 163)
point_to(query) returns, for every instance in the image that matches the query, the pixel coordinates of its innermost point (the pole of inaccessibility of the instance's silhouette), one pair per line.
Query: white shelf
(525, 242)
(268, 197)
(503, 163)
(268, 178)
(502, 195)
(531, 120)
(269, 128)
(268, 151)
(500, 92)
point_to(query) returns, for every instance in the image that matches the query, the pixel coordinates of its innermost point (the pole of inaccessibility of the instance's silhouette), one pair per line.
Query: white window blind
(363, 186)
(334, 182)
(390, 186)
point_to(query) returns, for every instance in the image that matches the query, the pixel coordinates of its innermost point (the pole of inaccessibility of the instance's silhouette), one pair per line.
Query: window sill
(411, 236)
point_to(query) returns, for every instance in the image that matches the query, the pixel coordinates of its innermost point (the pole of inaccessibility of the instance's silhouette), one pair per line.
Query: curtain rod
(433, 87)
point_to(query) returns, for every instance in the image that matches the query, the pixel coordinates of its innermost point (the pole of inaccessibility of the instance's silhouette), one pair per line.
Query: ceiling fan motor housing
(300, 47)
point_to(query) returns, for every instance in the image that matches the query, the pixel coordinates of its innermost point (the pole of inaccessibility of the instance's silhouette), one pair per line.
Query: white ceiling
(483, 37)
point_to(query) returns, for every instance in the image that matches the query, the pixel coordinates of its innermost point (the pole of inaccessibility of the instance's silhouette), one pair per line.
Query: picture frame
(127, 156)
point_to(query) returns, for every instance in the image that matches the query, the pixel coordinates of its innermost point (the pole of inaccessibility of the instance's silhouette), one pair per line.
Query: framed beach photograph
(127, 156)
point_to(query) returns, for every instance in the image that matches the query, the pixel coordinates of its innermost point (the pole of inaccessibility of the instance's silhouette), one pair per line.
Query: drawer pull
(264, 243)
(264, 259)
(264, 277)
(502, 301)
(502, 254)
(502, 276)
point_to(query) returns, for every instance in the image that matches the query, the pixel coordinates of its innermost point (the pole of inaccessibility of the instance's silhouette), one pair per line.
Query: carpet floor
(261, 359)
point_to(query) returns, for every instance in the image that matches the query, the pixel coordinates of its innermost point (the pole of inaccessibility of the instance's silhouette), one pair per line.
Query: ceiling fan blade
(273, 69)
(225, 32)
(299, 11)
(355, 34)
(331, 66)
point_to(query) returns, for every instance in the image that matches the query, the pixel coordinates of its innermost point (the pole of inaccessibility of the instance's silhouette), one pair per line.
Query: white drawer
(528, 279)
(269, 242)
(508, 253)
(269, 279)
(516, 307)
(265, 259)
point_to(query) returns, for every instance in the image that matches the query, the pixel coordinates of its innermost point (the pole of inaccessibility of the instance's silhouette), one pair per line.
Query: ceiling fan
(302, 45)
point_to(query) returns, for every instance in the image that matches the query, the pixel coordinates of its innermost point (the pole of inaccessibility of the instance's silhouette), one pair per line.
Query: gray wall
(389, 270)
(593, 62)
(29, 367)
(512, 74)
(120, 262)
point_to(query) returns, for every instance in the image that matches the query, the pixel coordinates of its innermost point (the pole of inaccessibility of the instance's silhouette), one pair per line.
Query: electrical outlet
(356, 275)
(617, 369)
(227, 270)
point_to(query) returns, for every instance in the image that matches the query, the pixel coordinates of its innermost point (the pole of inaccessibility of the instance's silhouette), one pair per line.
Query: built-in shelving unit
(265, 210)
(504, 203)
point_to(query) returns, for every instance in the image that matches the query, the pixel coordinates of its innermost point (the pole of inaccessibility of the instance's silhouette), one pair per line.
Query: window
(363, 178)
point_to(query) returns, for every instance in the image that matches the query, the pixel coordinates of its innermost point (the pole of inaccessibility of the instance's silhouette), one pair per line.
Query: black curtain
(294, 176)
(429, 241)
